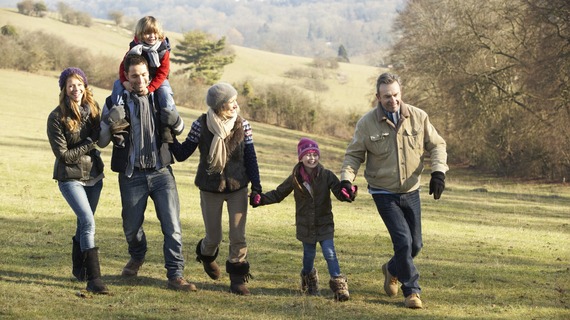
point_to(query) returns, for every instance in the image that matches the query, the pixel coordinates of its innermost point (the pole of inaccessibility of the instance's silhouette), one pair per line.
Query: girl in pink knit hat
(311, 185)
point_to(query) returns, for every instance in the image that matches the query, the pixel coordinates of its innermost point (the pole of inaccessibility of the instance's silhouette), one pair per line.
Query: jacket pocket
(413, 139)
(379, 144)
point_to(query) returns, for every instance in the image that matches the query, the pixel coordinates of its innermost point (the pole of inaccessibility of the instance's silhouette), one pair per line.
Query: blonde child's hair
(148, 24)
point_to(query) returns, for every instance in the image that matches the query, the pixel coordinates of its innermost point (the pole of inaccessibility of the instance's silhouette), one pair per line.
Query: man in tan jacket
(392, 139)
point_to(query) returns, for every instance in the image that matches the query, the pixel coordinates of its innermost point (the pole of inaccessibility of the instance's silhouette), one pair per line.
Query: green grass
(499, 254)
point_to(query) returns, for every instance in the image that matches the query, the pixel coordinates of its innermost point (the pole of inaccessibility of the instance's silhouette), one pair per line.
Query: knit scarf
(306, 176)
(147, 154)
(154, 60)
(218, 150)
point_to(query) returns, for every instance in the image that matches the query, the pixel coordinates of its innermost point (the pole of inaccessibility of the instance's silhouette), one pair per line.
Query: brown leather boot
(239, 276)
(209, 262)
(390, 282)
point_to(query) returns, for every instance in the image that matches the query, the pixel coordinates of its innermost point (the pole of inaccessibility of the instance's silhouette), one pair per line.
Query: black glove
(347, 190)
(437, 184)
(115, 114)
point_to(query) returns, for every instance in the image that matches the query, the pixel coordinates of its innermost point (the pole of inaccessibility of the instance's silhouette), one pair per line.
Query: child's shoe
(339, 286)
(310, 283)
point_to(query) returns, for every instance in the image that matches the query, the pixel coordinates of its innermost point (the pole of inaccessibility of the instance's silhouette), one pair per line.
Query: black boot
(239, 275)
(77, 260)
(209, 262)
(94, 282)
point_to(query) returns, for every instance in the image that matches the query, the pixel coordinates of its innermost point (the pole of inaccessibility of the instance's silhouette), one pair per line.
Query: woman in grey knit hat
(228, 163)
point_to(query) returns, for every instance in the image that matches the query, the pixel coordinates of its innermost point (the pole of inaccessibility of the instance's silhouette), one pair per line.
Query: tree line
(494, 77)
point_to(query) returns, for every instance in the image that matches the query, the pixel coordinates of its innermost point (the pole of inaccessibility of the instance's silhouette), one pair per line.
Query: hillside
(493, 249)
(350, 86)
(306, 28)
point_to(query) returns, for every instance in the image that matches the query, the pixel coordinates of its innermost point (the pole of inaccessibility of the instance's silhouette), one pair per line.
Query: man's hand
(437, 184)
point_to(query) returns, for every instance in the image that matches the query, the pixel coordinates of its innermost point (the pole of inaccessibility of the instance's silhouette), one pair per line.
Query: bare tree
(494, 73)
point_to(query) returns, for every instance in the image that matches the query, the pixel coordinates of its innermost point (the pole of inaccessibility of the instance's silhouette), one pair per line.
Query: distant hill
(350, 87)
(307, 28)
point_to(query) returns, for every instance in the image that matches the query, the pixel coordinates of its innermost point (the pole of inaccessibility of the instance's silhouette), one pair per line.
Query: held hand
(437, 184)
(115, 114)
(348, 190)
(255, 199)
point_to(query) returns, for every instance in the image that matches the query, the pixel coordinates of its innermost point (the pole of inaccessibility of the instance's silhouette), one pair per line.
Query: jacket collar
(381, 112)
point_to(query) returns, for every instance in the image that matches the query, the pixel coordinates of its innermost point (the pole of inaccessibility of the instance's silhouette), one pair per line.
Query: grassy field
(494, 249)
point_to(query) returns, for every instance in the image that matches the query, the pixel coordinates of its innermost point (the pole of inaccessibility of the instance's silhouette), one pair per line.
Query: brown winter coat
(313, 213)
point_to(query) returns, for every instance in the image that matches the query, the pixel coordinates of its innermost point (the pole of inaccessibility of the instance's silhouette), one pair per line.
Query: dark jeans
(401, 214)
(160, 186)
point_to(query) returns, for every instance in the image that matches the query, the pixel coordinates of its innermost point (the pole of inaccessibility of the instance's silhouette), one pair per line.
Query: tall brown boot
(239, 276)
(94, 282)
(78, 268)
(310, 282)
(209, 262)
(339, 286)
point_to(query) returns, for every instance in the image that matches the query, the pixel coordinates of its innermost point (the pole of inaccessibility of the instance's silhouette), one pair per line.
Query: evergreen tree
(342, 55)
(203, 56)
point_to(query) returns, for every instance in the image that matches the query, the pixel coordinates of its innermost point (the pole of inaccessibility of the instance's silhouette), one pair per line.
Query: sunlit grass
(501, 253)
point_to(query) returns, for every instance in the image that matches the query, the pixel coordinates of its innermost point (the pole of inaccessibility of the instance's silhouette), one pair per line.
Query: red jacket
(157, 75)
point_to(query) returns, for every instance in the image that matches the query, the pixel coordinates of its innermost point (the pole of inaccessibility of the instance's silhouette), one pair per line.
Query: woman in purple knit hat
(73, 130)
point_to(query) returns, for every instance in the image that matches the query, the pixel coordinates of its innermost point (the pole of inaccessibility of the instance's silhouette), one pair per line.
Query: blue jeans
(160, 186)
(310, 251)
(401, 214)
(83, 201)
(164, 95)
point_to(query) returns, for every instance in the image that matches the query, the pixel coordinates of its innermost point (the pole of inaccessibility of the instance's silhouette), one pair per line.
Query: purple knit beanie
(307, 145)
(68, 72)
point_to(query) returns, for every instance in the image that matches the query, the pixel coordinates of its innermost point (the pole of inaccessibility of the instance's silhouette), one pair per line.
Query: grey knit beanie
(218, 94)
(68, 72)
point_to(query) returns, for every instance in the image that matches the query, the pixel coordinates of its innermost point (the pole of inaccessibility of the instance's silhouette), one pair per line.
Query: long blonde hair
(70, 115)
(148, 24)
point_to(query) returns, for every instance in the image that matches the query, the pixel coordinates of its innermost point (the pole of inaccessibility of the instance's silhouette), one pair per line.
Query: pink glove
(347, 195)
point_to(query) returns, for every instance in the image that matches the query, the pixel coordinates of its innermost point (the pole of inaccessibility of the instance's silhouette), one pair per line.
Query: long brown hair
(70, 115)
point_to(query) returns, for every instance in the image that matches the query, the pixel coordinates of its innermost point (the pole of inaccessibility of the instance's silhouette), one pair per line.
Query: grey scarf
(154, 60)
(147, 154)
